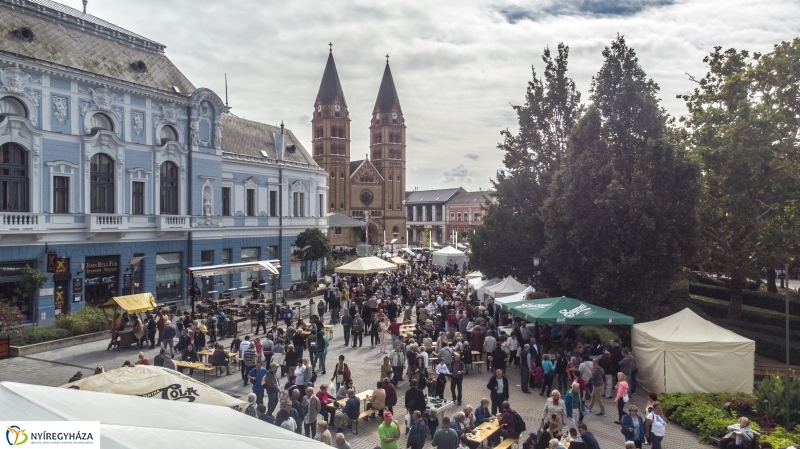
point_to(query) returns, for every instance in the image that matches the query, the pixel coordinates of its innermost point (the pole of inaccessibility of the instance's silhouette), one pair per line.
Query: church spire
(330, 86)
(387, 94)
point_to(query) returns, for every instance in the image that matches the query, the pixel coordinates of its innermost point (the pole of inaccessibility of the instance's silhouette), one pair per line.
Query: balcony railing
(21, 221)
(172, 222)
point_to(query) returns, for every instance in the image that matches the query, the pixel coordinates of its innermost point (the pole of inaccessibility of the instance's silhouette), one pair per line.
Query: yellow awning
(398, 260)
(141, 302)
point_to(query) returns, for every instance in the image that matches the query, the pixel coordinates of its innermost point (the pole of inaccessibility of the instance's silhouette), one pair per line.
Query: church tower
(388, 155)
(331, 137)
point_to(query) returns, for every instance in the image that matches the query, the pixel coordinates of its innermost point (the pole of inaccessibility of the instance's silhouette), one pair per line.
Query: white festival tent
(474, 275)
(446, 254)
(480, 286)
(683, 353)
(506, 287)
(134, 422)
(366, 265)
(515, 297)
(157, 383)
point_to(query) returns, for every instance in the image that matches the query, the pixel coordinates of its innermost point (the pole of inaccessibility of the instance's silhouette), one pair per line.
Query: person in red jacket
(391, 394)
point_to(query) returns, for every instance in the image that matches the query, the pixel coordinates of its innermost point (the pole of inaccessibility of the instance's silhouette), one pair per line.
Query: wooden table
(328, 328)
(209, 353)
(484, 431)
(194, 365)
(362, 396)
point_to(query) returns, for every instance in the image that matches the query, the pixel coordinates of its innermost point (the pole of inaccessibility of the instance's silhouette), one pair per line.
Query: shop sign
(96, 266)
(61, 265)
(77, 286)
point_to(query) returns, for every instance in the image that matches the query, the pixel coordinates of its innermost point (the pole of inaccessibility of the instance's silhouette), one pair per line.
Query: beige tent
(474, 275)
(447, 254)
(398, 260)
(506, 287)
(158, 383)
(683, 353)
(366, 265)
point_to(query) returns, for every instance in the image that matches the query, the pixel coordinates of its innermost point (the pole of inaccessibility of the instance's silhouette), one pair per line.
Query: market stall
(122, 307)
(683, 353)
(157, 383)
(506, 287)
(565, 310)
(398, 260)
(447, 254)
(366, 265)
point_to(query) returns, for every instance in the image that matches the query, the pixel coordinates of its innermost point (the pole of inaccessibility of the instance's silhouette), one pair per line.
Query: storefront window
(297, 265)
(168, 276)
(10, 291)
(102, 275)
(249, 255)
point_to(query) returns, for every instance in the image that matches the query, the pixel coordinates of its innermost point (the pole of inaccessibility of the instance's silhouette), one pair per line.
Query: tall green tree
(620, 218)
(512, 231)
(744, 126)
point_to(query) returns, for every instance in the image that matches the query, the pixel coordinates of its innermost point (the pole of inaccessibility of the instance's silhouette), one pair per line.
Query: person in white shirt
(489, 345)
(244, 345)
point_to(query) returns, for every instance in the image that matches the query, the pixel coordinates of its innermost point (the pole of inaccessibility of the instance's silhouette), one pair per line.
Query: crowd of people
(409, 317)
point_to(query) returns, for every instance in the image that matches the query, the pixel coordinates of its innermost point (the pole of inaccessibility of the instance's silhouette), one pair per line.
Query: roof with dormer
(439, 196)
(67, 37)
(387, 94)
(250, 138)
(330, 86)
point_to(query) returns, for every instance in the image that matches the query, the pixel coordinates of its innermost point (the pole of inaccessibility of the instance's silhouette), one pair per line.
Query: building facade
(117, 173)
(464, 213)
(372, 188)
(426, 210)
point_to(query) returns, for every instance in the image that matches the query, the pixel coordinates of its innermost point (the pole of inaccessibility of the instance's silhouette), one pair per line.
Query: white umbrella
(158, 383)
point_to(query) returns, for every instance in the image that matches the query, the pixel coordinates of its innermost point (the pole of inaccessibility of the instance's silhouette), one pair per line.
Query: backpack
(519, 423)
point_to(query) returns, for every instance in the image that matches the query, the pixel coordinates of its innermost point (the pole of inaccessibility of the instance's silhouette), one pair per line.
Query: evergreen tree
(512, 231)
(620, 218)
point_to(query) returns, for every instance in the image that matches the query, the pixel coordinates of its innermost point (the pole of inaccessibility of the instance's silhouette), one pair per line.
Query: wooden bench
(195, 366)
(506, 443)
(753, 444)
(479, 365)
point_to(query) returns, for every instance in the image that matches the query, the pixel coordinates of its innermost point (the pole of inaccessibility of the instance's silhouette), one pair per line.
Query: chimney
(280, 143)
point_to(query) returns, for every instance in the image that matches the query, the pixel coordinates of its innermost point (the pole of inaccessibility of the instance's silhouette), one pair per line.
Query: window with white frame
(226, 201)
(250, 197)
(298, 204)
(60, 195)
(61, 186)
(137, 198)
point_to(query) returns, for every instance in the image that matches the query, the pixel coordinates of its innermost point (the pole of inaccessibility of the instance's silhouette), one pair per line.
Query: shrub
(779, 437)
(31, 335)
(10, 316)
(587, 333)
(763, 300)
(84, 321)
(771, 399)
(707, 413)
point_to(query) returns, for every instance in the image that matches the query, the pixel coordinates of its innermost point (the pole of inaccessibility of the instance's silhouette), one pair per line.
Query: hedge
(778, 330)
(767, 345)
(762, 300)
(84, 321)
(719, 309)
(24, 336)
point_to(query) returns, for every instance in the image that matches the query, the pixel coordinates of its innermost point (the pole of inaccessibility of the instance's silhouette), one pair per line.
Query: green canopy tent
(565, 310)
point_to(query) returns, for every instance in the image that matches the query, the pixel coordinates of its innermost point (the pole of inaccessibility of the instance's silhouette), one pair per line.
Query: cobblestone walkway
(54, 368)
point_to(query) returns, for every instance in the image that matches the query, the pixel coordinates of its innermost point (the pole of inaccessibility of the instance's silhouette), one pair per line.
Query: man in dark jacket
(262, 320)
(588, 438)
(498, 386)
(415, 398)
(418, 431)
(220, 358)
(351, 410)
(169, 336)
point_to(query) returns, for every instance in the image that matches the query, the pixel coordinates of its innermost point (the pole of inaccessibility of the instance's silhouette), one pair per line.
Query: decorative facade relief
(60, 109)
(137, 123)
(169, 112)
(194, 130)
(15, 81)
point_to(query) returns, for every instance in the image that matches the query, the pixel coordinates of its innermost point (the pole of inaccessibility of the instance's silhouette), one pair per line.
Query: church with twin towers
(373, 185)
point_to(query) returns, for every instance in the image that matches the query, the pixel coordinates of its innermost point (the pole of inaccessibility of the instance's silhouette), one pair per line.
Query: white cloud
(457, 64)
(457, 176)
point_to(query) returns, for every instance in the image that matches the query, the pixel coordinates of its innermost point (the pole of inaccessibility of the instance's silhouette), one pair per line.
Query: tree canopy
(512, 231)
(744, 127)
(317, 243)
(619, 219)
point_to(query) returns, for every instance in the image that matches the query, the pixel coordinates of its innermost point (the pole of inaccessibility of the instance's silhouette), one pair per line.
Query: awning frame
(272, 266)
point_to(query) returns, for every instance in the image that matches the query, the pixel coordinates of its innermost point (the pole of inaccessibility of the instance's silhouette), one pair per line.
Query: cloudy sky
(457, 64)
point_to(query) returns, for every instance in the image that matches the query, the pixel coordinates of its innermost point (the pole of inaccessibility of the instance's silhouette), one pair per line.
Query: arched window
(169, 188)
(12, 106)
(102, 183)
(168, 133)
(13, 178)
(395, 231)
(101, 121)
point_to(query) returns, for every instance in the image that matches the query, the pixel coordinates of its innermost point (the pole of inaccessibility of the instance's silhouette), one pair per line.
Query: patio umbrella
(366, 265)
(565, 310)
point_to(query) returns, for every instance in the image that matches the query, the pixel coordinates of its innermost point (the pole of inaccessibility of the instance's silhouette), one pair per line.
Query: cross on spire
(330, 45)
(387, 58)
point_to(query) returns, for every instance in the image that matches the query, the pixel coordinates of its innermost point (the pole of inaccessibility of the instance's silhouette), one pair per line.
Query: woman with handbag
(622, 396)
(341, 373)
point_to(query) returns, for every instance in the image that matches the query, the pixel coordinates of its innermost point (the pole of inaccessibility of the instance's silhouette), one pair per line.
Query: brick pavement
(54, 368)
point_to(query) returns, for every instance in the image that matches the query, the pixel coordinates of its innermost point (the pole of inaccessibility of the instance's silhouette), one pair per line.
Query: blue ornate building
(117, 173)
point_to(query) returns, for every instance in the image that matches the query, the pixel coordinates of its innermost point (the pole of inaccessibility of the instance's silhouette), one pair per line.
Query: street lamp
(536, 261)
